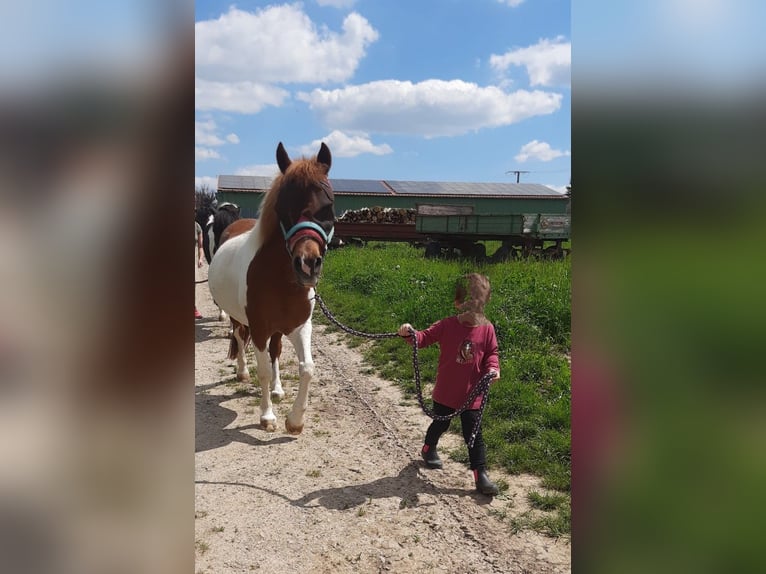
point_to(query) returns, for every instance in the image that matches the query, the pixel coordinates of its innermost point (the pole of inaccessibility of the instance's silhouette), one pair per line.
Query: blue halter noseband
(307, 225)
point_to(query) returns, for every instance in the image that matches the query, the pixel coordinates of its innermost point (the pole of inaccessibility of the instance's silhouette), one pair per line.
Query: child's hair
(472, 292)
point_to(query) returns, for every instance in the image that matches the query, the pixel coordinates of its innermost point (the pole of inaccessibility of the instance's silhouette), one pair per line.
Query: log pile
(378, 215)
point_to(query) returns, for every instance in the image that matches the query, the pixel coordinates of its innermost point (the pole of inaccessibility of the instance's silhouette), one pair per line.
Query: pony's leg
(301, 340)
(240, 336)
(222, 316)
(268, 419)
(275, 350)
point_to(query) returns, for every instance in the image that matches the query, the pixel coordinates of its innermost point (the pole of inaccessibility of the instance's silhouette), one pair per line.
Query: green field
(527, 422)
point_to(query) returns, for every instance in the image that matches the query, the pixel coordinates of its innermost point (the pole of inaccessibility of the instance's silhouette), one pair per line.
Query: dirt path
(349, 494)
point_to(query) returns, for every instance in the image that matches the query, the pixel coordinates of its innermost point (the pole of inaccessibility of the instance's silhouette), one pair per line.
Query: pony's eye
(325, 214)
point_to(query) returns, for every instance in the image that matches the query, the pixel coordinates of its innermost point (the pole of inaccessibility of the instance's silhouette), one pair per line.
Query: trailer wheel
(433, 249)
(474, 251)
(503, 253)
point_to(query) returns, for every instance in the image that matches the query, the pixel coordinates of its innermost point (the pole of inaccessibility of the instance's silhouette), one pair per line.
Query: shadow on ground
(406, 485)
(212, 420)
(204, 330)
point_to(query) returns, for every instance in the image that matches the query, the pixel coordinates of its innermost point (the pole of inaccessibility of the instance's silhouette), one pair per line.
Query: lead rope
(481, 388)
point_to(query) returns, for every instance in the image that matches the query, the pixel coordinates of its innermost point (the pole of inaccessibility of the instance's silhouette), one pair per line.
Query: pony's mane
(301, 173)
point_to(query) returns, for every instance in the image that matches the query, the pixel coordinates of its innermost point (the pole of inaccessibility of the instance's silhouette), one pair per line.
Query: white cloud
(267, 169)
(346, 145)
(206, 181)
(204, 134)
(337, 3)
(206, 138)
(430, 108)
(204, 153)
(511, 3)
(539, 150)
(279, 44)
(548, 63)
(241, 97)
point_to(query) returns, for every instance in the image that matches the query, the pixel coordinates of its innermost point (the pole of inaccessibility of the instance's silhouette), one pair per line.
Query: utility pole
(517, 172)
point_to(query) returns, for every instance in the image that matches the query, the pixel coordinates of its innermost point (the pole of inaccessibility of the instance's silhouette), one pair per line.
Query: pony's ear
(324, 156)
(283, 160)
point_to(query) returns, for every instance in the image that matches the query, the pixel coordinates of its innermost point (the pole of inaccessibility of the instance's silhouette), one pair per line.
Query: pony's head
(303, 201)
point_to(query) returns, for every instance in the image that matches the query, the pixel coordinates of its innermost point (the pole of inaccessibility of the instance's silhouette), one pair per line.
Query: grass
(527, 422)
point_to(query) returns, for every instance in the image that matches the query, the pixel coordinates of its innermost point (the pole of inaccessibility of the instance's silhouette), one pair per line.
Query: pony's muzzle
(307, 270)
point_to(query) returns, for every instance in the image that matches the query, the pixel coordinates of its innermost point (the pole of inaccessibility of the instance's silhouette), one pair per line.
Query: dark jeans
(478, 454)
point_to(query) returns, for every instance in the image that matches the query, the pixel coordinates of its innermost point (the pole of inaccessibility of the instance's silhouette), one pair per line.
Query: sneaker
(431, 457)
(483, 483)
(197, 314)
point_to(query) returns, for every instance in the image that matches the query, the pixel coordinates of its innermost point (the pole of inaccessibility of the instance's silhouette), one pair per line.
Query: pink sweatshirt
(465, 355)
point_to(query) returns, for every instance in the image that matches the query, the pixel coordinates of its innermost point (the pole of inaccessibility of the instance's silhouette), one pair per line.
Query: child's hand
(404, 330)
(494, 373)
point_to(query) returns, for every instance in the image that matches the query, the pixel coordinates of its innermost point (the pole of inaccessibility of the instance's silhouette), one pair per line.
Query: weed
(314, 473)
(201, 546)
(545, 501)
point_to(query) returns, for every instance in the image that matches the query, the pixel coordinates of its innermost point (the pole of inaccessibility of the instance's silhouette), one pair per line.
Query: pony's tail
(244, 333)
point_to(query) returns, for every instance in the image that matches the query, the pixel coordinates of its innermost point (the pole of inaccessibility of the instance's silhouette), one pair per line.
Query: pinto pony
(264, 277)
(226, 214)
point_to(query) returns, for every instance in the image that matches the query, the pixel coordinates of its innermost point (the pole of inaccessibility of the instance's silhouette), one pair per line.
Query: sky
(428, 90)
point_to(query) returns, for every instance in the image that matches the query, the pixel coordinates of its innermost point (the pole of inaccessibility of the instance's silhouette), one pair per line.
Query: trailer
(458, 230)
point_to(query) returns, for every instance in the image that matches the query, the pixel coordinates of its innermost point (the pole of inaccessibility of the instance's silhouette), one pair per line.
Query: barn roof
(374, 187)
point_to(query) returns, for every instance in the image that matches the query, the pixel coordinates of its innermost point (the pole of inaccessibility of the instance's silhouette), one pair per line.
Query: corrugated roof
(245, 183)
(363, 186)
(466, 188)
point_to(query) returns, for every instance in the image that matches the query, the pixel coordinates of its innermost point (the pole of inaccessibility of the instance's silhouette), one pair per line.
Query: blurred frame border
(96, 335)
(668, 313)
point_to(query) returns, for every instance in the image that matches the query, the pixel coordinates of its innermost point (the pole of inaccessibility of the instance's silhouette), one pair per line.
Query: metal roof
(465, 188)
(244, 182)
(248, 183)
(361, 186)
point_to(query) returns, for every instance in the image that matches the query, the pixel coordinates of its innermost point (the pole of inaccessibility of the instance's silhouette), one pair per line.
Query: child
(467, 351)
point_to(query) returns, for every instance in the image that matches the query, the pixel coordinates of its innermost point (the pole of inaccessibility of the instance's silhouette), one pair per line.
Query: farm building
(352, 194)
(447, 215)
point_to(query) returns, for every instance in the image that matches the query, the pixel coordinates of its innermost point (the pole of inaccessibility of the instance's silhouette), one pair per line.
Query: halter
(305, 228)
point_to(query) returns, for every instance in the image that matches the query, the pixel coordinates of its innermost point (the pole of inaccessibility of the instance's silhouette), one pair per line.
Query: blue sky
(440, 90)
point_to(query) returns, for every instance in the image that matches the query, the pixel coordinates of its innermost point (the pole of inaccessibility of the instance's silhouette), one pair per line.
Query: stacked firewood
(379, 215)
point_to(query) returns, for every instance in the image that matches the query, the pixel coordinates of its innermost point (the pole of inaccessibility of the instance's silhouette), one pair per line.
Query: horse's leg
(268, 419)
(301, 340)
(275, 350)
(239, 338)
(222, 316)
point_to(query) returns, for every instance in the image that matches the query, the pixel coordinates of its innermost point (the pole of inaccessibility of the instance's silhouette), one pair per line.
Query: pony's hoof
(291, 429)
(243, 377)
(277, 397)
(268, 425)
